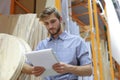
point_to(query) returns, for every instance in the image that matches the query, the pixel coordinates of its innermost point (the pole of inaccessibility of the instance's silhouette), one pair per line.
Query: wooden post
(12, 7)
(94, 57)
(58, 5)
(98, 40)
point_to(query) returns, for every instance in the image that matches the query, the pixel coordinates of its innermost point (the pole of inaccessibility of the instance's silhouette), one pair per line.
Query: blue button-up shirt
(69, 49)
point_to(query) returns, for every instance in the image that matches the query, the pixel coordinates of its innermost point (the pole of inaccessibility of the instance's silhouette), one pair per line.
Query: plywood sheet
(10, 56)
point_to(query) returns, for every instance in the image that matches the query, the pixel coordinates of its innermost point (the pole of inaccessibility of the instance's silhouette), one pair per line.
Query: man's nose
(50, 25)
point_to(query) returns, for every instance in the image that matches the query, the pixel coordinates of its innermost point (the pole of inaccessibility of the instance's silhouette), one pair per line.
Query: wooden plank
(86, 13)
(12, 7)
(24, 3)
(40, 5)
(78, 21)
(7, 23)
(24, 25)
(98, 39)
(22, 7)
(58, 5)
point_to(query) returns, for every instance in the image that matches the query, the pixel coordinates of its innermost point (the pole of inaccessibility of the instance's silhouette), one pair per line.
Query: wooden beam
(12, 7)
(103, 20)
(78, 15)
(98, 40)
(79, 22)
(79, 4)
(58, 5)
(20, 5)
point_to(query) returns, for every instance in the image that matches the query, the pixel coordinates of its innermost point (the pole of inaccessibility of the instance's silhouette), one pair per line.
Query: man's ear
(60, 19)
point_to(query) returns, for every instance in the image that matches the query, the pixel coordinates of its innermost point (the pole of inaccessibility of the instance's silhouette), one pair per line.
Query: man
(70, 50)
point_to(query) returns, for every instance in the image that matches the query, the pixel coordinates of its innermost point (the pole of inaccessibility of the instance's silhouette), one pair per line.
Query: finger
(56, 65)
(38, 70)
(38, 73)
(60, 71)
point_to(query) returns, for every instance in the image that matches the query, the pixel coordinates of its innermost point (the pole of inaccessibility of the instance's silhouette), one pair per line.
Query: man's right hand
(37, 70)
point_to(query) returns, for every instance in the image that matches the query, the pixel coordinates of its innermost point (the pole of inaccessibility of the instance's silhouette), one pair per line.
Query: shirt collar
(61, 36)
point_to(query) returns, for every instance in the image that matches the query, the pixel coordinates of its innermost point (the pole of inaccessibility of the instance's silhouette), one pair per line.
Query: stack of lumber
(12, 58)
(25, 26)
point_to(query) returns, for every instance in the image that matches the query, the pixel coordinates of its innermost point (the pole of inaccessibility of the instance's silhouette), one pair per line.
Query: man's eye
(53, 21)
(45, 23)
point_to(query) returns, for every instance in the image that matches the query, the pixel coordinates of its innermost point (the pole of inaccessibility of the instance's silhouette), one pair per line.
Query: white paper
(45, 58)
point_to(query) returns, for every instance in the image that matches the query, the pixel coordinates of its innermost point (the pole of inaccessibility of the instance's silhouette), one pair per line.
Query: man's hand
(37, 70)
(61, 68)
(85, 70)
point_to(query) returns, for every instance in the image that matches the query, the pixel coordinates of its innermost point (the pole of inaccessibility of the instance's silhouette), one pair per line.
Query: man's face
(53, 24)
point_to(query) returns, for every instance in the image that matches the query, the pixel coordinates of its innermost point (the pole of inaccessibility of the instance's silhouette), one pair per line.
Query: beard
(56, 31)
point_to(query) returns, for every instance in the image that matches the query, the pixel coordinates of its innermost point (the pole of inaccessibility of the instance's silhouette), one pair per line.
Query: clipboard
(45, 58)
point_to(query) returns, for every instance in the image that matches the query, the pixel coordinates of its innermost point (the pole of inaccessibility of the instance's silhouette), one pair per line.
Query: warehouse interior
(96, 21)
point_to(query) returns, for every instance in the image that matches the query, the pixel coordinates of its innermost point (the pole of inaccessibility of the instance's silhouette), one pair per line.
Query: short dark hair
(48, 11)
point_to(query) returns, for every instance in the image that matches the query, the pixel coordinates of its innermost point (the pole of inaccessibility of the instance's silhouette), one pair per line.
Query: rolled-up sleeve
(83, 53)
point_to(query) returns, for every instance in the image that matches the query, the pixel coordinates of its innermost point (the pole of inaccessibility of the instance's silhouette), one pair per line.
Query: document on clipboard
(45, 58)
